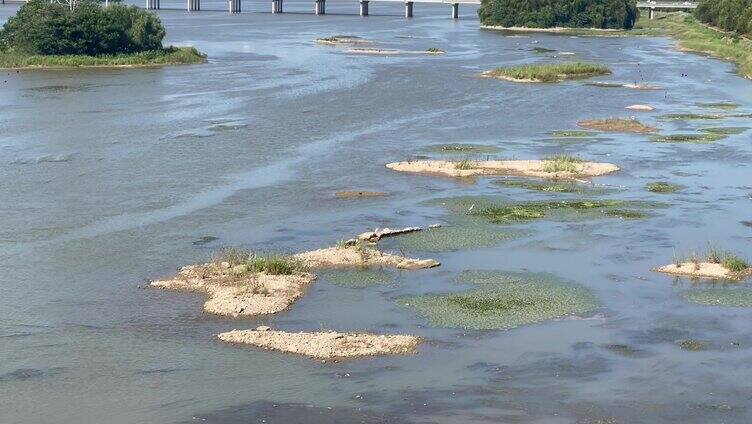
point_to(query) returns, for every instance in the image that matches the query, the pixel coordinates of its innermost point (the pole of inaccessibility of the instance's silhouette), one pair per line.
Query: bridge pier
(276, 6)
(651, 14)
(408, 9)
(363, 7)
(194, 5)
(234, 6)
(150, 4)
(455, 10)
(320, 7)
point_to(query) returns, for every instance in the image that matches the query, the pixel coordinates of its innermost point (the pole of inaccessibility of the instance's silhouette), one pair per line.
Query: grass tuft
(464, 164)
(561, 163)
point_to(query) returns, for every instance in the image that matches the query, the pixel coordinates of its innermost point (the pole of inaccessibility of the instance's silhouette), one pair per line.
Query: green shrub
(602, 14)
(729, 15)
(44, 28)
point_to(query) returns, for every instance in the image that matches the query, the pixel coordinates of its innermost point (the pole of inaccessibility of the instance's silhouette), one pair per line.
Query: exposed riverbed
(112, 178)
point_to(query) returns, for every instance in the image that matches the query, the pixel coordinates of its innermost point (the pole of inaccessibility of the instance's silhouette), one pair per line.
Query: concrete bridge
(235, 6)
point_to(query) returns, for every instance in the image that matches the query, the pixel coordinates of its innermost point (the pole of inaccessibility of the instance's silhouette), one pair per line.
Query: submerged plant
(724, 130)
(359, 278)
(552, 186)
(571, 133)
(434, 50)
(464, 148)
(687, 138)
(691, 344)
(625, 213)
(738, 297)
(459, 234)
(662, 187)
(719, 105)
(688, 117)
(503, 300)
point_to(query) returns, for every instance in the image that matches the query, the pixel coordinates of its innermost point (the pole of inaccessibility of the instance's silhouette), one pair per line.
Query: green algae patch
(571, 133)
(621, 125)
(724, 130)
(719, 105)
(503, 301)
(701, 138)
(545, 186)
(738, 297)
(359, 278)
(456, 236)
(689, 117)
(662, 187)
(500, 211)
(463, 149)
(625, 213)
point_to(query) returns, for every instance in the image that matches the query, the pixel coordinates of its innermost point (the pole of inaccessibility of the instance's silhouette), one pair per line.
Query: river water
(110, 178)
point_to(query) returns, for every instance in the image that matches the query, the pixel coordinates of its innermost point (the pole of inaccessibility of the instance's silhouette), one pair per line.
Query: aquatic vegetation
(358, 278)
(617, 125)
(549, 186)
(549, 72)
(738, 297)
(662, 187)
(561, 163)
(434, 50)
(571, 133)
(625, 350)
(458, 235)
(691, 344)
(688, 117)
(501, 211)
(724, 130)
(503, 301)
(542, 50)
(351, 194)
(463, 148)
(687, 138)
(719, 105)
(625, 213)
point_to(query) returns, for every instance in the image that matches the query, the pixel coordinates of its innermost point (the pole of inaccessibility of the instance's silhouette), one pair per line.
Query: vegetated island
(52, 36)
(239, 282)
(622, 125)
(715, 264)
(555, 72)
(558, 15)
(558, 167)
(325, 345)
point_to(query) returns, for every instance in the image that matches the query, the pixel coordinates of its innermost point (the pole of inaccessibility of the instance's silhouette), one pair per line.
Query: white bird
(471, 207)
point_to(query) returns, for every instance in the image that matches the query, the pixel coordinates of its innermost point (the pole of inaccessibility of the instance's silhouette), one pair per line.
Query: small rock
(434, 226)
(643, 108)
(262, 328)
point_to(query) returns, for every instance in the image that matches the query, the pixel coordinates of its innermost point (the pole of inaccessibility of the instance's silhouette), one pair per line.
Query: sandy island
(561, 77)
(360, 256)
(702, 269)
(234, 292)
(524, 168)
(378, 234)
(324, 345)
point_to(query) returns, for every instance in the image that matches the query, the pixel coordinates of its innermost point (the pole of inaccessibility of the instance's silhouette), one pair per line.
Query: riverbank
(694, 36)
(164, 57)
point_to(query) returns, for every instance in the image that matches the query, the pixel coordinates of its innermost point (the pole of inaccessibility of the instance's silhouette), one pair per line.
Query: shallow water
(114, 177)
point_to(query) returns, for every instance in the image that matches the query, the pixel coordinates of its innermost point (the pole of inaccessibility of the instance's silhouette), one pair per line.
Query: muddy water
(111, 178)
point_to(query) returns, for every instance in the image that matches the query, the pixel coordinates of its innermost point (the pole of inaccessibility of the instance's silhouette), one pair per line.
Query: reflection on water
(114, 177)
